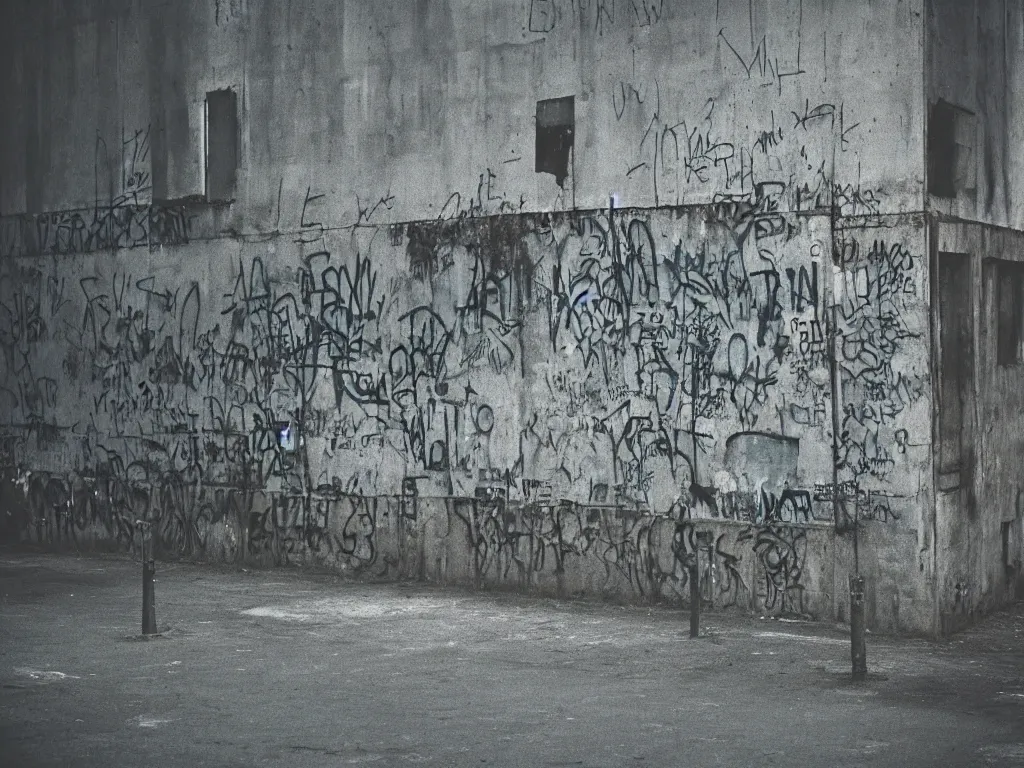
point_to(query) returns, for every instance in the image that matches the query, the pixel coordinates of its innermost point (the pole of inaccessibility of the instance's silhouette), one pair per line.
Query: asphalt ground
(290, 668)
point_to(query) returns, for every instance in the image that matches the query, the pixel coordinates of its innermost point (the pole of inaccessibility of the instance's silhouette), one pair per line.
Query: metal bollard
(704, 543)
(858, 649)
(694, 599)
(148, 580)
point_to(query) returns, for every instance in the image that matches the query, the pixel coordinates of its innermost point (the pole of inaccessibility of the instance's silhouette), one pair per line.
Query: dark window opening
(951, 157)
(556, 124)
(1009, 311)
(942, 152)
(221, 144)
(955, 359)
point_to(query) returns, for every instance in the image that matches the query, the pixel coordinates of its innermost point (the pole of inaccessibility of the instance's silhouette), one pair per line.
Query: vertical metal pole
(709, 582)
(694, 598)
(148, 581)
(858, 648)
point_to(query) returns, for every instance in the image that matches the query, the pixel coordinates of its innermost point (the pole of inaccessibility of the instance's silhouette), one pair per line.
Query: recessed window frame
(555, 137)
(220, 162)
(1007, 306)
(950, 143)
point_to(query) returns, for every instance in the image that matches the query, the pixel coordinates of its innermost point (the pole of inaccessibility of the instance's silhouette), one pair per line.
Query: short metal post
(858, 649)
(704, 541)
(148, 580)
(694, 599)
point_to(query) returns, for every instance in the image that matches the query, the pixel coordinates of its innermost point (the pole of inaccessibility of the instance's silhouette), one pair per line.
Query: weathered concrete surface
(431, 110)
(670, 364)
(981, 496)
(974, 58)
(291, 669)
(716, 313)
(975, 62)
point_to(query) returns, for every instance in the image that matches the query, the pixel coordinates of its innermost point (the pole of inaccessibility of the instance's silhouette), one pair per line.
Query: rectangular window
(556, 125)
(1009, 311)
(942, 150)
(955, 358)
(951, 139)
(221, 144)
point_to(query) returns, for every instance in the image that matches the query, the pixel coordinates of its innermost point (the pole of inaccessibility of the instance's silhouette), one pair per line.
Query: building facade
(554, 295)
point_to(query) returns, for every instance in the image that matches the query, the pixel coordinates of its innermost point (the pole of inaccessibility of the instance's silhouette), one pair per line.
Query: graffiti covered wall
(715, 355)
(600, 382)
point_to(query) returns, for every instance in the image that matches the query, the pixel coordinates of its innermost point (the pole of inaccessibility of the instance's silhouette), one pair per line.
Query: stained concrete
(287, 668)
(718, 310)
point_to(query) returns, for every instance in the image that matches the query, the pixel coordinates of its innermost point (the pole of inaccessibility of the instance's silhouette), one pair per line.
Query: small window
(556, 124)
(942, 150)
(950, 150)
(221, 144)
(1009, 311)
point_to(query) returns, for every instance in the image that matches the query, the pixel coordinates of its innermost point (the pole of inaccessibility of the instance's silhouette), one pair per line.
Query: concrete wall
(975, 52)
(360, 362)
(662, 368)
(431, 108)
(976, 62)
(980, 512)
